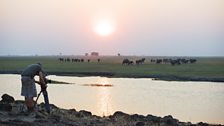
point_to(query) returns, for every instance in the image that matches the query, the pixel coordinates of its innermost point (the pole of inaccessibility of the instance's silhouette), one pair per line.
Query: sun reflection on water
(104, 106)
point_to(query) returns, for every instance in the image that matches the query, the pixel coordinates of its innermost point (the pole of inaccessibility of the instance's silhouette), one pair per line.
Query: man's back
(32, 70)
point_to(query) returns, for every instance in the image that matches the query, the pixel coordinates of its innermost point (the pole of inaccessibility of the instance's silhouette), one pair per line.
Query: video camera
(47, 80)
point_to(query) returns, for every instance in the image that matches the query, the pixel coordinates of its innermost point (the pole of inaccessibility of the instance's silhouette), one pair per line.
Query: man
(28, 89)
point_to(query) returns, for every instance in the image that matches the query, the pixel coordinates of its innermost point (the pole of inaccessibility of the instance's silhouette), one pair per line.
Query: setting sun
(104, 28)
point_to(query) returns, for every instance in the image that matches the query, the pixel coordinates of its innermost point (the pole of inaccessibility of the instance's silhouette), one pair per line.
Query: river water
(186, 101)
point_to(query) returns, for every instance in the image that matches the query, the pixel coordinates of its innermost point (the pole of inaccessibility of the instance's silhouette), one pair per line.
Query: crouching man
(28, 89)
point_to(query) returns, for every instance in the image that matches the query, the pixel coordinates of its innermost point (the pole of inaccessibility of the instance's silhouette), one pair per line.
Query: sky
(136, 27)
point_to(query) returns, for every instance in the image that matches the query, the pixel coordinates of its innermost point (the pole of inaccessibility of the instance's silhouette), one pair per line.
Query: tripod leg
(46, 100)
(37, 98)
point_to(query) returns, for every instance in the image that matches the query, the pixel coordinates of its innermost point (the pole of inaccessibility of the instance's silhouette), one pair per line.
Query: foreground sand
(14, 113)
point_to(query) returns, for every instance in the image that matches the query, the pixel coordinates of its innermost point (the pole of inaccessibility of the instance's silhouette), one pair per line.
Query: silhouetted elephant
(158, 61)
(174, 62)
(67, 60)
(192, 60)
(141, 61)
(130, 63)
(125, 62)
(61, 59)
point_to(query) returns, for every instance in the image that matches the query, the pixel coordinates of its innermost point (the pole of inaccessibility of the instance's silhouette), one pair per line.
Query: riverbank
(114, 75)
(14, 113)
(205, 69)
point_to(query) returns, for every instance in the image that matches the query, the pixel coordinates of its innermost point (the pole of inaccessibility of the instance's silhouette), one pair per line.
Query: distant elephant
(61, 59)
(67, 60)
(184, 61)
(175, 62)
(158, 61)
(130, 63)
(153, 60)
(192, 60)
(125, 62)
(137, 62)
(141, 61)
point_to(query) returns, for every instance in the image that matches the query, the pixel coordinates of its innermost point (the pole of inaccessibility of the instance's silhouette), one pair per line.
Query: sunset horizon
(153, 27)
(112, 62)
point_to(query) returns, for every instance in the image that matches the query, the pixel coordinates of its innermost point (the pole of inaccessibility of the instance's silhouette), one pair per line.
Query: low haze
(129, 27)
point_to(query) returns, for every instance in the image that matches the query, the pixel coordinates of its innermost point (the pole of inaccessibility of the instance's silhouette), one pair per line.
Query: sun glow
(104, 28)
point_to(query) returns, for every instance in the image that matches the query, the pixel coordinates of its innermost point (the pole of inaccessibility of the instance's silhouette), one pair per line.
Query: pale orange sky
(147, 27)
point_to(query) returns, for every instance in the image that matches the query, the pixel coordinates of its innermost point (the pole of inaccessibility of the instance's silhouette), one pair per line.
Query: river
(186, 101)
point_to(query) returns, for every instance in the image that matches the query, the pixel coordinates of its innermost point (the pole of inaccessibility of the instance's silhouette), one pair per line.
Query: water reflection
(104, 98)
(202, 101)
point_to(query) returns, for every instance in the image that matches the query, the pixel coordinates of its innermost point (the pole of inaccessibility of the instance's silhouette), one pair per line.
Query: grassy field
(205, 67)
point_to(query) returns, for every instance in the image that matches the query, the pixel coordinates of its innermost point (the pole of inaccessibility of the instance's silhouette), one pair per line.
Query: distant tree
(98, 60)
(94, 54)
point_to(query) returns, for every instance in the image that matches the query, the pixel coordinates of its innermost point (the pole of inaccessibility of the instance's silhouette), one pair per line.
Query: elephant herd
(75, 60)
(182, 61)
(173, 62)
(130, 62)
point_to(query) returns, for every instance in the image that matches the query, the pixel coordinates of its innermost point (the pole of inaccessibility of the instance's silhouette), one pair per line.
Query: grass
(206, 67)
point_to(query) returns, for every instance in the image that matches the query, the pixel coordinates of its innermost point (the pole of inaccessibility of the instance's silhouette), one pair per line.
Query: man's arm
(42, 80)
(41, 77)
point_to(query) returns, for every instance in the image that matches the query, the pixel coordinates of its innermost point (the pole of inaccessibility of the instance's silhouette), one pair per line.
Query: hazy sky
(141, 27)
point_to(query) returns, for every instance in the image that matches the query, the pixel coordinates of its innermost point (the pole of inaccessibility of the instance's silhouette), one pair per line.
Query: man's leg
(29, 91)
(29, 103)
